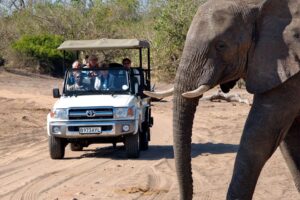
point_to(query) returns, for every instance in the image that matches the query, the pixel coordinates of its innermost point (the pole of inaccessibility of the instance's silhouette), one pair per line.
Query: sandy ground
(101, 172)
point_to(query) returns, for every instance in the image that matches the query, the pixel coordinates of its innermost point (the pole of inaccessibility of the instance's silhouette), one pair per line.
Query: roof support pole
(148, 74)
(64, 63)
(141, 57)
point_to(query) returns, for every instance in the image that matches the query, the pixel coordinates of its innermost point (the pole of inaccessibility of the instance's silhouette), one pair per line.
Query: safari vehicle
(117, 111)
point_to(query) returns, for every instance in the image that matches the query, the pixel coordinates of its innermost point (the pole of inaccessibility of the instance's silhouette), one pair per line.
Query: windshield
(96, 81)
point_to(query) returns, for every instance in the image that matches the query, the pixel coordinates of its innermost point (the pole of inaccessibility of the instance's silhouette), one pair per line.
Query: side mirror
(56, 93)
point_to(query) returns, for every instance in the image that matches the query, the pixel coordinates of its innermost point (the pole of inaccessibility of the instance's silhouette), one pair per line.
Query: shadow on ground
(156, 152)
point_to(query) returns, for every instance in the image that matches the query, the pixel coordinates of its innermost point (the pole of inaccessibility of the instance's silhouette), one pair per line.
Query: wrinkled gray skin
(258, 41)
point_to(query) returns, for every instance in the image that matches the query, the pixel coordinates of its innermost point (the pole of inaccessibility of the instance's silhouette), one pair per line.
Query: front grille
(103, 128)
(97, 113)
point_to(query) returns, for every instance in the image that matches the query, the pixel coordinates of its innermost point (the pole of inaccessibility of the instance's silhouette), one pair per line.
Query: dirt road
(101, 172)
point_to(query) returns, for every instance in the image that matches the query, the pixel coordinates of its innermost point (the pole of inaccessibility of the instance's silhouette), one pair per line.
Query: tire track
(49, 181)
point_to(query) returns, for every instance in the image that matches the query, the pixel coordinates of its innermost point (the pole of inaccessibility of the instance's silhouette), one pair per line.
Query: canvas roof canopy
(103, 44)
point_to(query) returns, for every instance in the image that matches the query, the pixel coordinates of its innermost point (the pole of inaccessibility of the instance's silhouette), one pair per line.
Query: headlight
(124, 112)
(59, 114)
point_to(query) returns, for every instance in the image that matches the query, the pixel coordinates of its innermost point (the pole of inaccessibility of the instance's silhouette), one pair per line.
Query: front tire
(144, 139)
(132, 145)
(56, 147)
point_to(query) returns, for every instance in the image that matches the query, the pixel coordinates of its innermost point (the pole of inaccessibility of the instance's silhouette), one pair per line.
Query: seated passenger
(92, 62)
(126, 63)
(78, 85)
(76, 65)
(105, 80)
(85, 60)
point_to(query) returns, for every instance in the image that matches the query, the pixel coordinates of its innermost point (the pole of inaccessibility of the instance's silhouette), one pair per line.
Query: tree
(163, 22)
(171, 28)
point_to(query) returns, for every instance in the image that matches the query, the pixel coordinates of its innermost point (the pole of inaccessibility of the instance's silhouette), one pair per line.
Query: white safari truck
(94, 109)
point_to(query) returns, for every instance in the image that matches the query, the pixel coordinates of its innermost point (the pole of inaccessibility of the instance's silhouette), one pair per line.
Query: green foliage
(37, 29)
(42, 47)
(171, 28)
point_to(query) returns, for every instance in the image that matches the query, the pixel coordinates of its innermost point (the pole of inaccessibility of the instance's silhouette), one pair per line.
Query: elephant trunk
(183, 116)
(187, 80)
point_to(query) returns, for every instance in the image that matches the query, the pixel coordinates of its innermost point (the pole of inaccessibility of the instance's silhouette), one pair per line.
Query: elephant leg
(270, 118)
(290, 148)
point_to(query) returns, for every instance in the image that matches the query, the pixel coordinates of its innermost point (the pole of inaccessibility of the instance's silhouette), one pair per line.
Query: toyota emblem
(90, 113)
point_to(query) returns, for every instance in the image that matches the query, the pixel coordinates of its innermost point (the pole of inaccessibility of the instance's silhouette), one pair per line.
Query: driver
(105, 80)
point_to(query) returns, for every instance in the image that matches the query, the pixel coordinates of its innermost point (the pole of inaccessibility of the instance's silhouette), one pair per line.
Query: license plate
(89, 130)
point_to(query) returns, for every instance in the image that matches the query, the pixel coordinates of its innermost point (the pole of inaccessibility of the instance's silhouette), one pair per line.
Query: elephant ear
(275, 56)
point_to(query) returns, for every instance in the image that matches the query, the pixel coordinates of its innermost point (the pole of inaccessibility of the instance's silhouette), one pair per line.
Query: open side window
(137, 75)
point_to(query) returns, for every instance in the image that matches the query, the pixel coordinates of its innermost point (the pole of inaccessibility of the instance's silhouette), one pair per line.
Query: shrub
(43, 48)
(171, 28)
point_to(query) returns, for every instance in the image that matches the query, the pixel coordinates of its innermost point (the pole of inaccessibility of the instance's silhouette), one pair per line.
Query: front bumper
(70, 129)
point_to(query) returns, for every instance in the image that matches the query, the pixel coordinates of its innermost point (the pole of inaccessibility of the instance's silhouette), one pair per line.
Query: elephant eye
(220, 46)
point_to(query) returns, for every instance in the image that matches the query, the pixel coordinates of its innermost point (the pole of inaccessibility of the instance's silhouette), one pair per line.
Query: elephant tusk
(160, 95)
(196, 93)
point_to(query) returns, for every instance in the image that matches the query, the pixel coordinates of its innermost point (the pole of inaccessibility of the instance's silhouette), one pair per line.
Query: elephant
(258, 41)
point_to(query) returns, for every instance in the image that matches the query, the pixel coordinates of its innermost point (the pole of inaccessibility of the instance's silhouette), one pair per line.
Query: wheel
(132, 146)
(144, 139)
(56, 147)
(76, 147)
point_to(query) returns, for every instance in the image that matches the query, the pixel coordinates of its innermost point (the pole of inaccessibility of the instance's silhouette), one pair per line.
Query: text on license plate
(89, 130)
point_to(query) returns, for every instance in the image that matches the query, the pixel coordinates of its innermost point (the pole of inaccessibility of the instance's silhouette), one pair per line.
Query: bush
(171, 28)
(43, 48)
